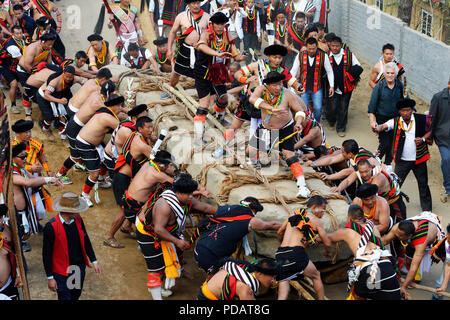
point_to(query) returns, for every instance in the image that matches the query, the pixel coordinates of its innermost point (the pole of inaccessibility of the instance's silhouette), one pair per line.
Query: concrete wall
(366, 29)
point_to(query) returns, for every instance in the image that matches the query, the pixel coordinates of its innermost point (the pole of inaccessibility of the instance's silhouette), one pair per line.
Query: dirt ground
(123, 270)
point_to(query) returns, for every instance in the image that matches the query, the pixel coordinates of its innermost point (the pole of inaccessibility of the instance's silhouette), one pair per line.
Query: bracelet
(423, 139)
(46, 166)
(291, 81)
(300, 114)
(47, 180)
(258, 103)
(139, 33)
(245, 71)
(243, 79)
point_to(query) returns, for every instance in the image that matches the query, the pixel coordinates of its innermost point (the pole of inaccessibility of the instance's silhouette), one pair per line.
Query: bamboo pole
(13, 223)
(301, 291)
(429, 289)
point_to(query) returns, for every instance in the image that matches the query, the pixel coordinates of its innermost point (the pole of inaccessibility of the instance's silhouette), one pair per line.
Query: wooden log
(301, 291)
(429, 289)
(13, 224)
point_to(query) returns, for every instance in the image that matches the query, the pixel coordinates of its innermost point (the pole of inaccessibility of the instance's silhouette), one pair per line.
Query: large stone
(181, 145)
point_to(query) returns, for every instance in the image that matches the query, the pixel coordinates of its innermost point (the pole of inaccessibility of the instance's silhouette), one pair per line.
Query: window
(379, 4)
(427, 22)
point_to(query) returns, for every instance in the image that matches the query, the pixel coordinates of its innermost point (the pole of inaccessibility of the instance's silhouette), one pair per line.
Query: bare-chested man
(78, 62)
(372, 275)
(191, 23)
(86, 111)
(297, 231)
(249, 278)
(375, 207)
(277, 105)
(9, 279)
(350, 153)
(100, 53)
(214, 50)
(23, 181)
(387, 56)
(52, 98)
(35, 81)
(114, 146)
(136, 150)
(91, 136)
(45, 8)
(162, 223)
(418, 234)
(152, 173)
(388, 186)
(87, 89)
(32, 55)
(252, 76)
(310, 136)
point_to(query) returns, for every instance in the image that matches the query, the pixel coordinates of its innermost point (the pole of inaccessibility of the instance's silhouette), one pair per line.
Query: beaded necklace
(273, 101)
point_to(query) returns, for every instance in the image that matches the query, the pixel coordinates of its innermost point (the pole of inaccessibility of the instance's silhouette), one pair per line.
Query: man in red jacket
(66, 249)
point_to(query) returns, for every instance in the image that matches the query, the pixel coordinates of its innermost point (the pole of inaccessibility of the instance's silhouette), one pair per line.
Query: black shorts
(110, 163)
(30, 92)
(120, 184)
(153, 257)
(182, 64)
(11, 291)
(386, 286)
(9, 75)
(45, 107)
(131, 208)
(241, 110)
(205, 87)
(22, 75)
(72, 130)
(258, 142)
(293, 261)
(89, 154)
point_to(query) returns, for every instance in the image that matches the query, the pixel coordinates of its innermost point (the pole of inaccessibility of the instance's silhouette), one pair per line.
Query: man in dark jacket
(440, 113)
(382, 107)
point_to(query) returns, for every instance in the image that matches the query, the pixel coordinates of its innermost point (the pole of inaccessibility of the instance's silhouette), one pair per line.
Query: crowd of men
(289, 75)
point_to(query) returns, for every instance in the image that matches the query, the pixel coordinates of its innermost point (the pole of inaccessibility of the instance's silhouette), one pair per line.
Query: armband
(92, 64)
(46, 166)
(291, 81)
(258, 103)
(300, 114)
(245, 71)
(139, 32)
(50, 89)
(114, 56)
(243, 79)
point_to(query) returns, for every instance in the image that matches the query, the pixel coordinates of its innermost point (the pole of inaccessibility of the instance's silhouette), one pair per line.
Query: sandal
(131, 233)
(113, 243)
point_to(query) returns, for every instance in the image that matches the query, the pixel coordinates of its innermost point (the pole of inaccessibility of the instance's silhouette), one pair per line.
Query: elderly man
(382, 107)
(66, 248)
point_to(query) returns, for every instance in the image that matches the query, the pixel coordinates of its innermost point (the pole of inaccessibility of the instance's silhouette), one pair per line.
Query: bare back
(145, 182)
(39, 78)
(88, 88)
(95, 130)
(90, 106)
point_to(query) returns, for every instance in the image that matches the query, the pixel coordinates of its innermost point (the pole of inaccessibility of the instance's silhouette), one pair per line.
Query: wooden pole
(301, 291)
(429, 289)
(13, 222)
